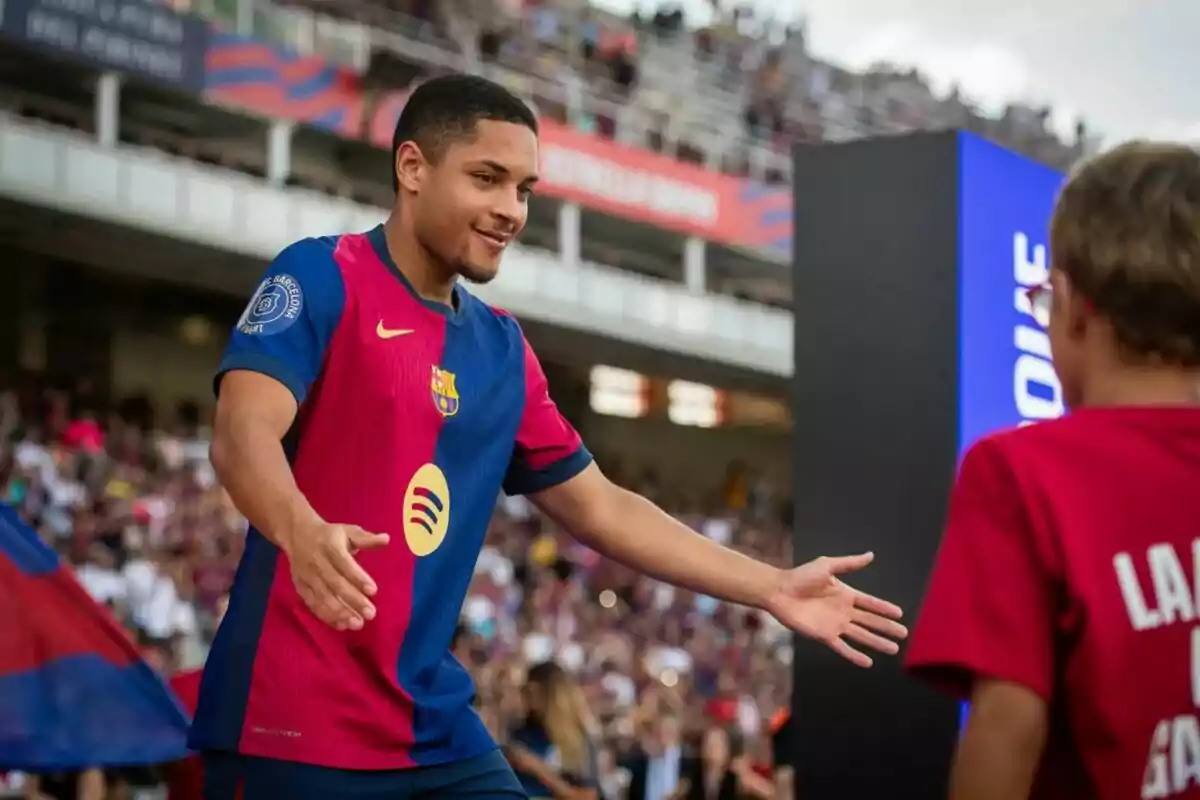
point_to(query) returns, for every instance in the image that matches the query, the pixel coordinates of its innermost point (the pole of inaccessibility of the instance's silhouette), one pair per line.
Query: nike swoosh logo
(390, 333)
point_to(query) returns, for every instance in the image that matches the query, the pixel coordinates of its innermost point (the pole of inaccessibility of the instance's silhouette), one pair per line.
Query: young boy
(1064, 602)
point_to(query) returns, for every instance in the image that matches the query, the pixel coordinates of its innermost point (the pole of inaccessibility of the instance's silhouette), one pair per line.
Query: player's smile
(494, 240)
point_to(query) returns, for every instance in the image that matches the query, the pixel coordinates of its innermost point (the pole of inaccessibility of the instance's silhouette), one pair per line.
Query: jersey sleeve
(989, 610)
(290, 319)
(547, 450)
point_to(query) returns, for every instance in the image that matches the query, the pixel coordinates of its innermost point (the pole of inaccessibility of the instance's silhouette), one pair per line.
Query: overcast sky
(1127, 67)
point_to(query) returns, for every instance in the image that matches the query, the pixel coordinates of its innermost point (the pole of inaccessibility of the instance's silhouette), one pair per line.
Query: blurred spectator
(554, 750)
(657, 764)
(722, 771)
(84, 434)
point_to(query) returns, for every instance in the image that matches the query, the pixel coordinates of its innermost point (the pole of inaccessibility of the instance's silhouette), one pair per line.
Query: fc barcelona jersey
(413, 415)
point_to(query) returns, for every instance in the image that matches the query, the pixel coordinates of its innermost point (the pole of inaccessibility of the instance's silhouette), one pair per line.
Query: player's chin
(479, 270)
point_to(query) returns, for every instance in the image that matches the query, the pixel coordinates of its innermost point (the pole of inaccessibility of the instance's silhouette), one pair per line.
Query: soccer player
(1064, 600)
(369, 411)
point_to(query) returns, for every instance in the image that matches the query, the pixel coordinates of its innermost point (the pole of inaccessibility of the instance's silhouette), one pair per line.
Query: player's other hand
(331, 583)
(813, 601)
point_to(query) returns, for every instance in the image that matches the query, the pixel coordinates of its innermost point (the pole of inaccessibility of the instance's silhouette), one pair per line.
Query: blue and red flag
(74, 690)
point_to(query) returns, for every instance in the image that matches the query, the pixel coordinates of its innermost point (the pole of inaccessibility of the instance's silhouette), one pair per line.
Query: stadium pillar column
(876, 440)
(108, 109)
(244, 18)
(695, 267)
(570, 233)
(279, 152)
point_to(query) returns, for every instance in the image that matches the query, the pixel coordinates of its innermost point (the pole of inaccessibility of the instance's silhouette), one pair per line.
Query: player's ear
(410, 167)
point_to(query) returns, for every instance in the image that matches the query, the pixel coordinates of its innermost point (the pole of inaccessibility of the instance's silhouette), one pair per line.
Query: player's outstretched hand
(813, 602)
(331, 583)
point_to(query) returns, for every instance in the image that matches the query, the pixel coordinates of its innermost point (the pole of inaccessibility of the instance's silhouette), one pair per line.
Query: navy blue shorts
(485, 777)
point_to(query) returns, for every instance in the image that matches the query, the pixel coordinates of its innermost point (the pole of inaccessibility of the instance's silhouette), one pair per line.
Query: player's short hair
(1126, 232)
(447, 109)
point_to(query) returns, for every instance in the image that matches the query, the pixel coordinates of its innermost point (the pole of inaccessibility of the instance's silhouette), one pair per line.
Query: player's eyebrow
(500, 169)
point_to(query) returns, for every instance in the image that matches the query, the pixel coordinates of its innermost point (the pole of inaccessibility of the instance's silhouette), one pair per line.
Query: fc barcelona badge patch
(445, 396)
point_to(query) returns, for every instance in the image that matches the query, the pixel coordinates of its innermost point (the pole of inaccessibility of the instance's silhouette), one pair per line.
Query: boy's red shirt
(1069, 567)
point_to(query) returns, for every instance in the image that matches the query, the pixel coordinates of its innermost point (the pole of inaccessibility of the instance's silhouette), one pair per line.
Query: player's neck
(422, 271)
(1143, 386)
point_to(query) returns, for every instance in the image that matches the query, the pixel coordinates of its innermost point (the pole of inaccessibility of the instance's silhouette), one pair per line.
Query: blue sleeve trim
(524, 480)
(264, 364)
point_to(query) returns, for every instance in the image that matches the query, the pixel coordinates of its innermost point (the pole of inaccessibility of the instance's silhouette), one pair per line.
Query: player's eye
(525, 192)
(485, 179)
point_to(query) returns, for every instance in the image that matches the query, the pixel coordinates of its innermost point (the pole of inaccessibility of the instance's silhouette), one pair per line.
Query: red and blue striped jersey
(413, 416)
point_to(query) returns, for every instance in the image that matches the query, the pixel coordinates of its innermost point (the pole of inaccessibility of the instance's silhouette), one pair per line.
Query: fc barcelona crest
(445, 396)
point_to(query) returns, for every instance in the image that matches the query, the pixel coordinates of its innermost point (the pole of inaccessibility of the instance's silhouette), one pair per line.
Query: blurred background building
(153, 156)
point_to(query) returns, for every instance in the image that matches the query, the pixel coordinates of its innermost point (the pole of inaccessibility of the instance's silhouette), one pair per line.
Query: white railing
(225, 210)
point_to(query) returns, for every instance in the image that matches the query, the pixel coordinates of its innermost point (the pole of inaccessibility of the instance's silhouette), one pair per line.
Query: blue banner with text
(139, 38)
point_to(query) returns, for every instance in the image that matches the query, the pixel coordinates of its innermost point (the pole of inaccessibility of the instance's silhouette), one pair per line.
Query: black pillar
(911, 257)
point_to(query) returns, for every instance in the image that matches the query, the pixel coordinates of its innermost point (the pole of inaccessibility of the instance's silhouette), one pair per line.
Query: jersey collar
(452, 312)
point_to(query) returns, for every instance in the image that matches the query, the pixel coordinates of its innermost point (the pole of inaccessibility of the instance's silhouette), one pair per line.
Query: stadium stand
(732, 95)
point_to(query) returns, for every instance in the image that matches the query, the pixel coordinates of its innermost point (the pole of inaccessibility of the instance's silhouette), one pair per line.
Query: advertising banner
(644, 186)
(578, 167)
(136, 37)
(1005, 375)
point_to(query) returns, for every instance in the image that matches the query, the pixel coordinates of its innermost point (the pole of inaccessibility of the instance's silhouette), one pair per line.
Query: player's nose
(509, 211)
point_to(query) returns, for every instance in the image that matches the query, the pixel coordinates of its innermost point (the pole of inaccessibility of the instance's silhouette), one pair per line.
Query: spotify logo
(426, 510)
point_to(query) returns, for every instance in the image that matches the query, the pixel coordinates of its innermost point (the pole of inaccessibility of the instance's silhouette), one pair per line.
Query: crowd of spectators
(130, 501)
(733, 93)
(765, 67)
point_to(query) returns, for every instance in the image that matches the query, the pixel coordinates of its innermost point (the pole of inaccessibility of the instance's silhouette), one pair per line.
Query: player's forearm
(630, 529)
(252, 466)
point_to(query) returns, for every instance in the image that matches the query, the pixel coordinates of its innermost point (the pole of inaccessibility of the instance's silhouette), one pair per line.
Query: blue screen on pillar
(1005, 375)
